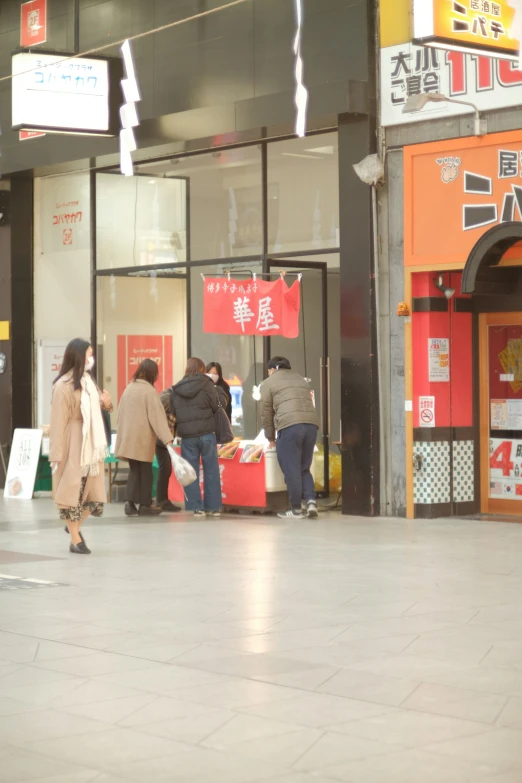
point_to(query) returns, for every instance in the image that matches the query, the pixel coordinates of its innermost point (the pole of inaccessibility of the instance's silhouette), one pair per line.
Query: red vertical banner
(251, 307)
(33, 23)
(133, 349)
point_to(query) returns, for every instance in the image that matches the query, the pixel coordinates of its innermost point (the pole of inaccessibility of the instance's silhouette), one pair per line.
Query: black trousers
(165, 469)
(139, 483)
(295, 452)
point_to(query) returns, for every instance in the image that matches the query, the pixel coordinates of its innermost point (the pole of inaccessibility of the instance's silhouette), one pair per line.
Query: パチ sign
(33, 23)
(489, 26)
(133, 349)
(55, 93)
(251, 307)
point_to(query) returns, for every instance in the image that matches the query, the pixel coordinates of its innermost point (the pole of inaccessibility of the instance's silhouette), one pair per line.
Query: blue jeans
(203, 448)
(295, 452)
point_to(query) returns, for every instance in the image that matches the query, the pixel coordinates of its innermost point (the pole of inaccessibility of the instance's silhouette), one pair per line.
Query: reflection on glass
(240, 356)
(303, 194)
(140, 318)
(140, 221)
(225, 200)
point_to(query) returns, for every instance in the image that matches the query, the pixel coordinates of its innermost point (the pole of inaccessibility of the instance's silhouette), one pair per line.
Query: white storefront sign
(407, 70)
(23, 464)
(52, 93)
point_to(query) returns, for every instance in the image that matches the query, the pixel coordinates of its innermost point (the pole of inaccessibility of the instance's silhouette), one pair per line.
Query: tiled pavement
(250, 650)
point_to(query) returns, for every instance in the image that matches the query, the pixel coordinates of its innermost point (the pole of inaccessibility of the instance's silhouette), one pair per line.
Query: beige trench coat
(65, 448)
(141, 420)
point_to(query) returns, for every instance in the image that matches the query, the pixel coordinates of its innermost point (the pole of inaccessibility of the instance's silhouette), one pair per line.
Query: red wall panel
(453, 399)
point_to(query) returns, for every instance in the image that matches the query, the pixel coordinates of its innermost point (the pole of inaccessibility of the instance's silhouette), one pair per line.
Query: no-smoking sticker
(426, 411)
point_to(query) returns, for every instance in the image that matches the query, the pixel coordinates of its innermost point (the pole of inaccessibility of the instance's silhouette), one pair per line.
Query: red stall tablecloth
(242, 483)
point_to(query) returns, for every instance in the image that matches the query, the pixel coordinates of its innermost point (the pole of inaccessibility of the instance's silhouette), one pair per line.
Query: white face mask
(213, 377)
(89, 364)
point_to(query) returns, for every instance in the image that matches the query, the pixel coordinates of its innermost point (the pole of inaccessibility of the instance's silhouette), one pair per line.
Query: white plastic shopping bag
(183, 471)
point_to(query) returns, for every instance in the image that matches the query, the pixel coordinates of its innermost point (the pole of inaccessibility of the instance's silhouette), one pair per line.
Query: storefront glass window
(140, 316)
(240, 356)
(225, 202)
(303, 194)
(141, 220)
(62, 276)
(505, 410)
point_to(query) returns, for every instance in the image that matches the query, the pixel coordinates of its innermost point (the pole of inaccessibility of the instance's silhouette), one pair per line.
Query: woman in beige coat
(78, 442)
(141, 420)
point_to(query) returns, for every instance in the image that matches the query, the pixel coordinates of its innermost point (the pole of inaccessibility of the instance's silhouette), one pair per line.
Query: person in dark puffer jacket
(194, 402)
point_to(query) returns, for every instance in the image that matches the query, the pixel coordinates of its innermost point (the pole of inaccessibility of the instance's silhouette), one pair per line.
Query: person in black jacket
(194, 402)
(214, 369)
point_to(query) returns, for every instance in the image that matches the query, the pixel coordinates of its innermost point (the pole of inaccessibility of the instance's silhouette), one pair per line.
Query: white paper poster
(438, 359)
(23, 464)
(499, 415)
(505, 469)
(514, 414)
(506, 414)
(50, 357)
(426, 411)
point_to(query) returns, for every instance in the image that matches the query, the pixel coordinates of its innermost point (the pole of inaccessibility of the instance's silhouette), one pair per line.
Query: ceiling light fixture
(449, 293)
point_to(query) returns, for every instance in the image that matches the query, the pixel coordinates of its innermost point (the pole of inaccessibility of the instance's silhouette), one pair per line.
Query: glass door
(308, 353)
(501, 413)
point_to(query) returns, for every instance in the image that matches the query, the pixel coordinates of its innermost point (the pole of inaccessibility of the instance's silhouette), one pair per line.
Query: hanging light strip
(301, 93)
(128, 114)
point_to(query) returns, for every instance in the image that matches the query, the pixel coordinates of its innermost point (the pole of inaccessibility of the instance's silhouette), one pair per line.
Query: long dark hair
(194, 367)
(147, 371)
(218, 367)
(74, 359)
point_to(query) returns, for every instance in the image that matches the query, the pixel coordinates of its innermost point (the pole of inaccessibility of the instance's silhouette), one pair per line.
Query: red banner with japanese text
(251, 307)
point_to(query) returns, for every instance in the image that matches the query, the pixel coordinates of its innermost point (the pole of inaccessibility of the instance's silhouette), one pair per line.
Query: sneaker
(213, 513)
(130, 509)
(312, 510)
(199, 514)
(291, 514)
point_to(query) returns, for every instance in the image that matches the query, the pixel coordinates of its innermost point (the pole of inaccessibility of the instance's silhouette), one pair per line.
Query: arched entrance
(493, 276)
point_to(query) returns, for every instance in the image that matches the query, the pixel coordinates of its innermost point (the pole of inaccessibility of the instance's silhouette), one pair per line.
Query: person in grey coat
(287, 409)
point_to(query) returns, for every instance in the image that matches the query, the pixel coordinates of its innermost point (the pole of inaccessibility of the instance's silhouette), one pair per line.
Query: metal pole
(76, 26)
